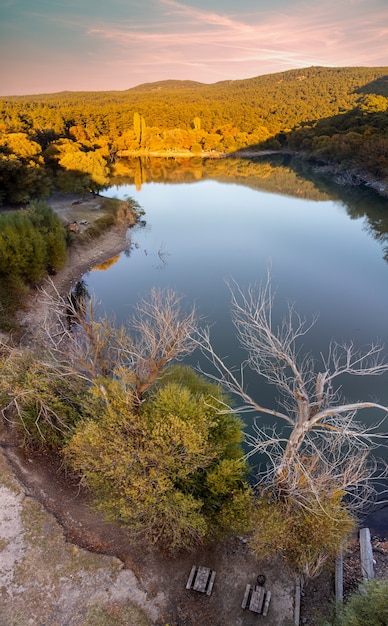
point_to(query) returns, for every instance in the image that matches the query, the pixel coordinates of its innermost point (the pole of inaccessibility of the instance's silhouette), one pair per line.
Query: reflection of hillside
(278, 174)
(359, 201)
(105, 265)
(262, 174)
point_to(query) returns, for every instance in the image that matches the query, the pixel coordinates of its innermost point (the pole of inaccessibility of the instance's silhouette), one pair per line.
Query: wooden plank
(339, 578)
(201, 579)
(366, 553)
(257, 599)
(191, 577)
(246, 596)
(297, 602)
(266, 603)
(211, 583)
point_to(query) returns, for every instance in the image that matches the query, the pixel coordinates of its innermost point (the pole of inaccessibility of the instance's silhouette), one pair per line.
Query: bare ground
(61, 559)
(62, 564)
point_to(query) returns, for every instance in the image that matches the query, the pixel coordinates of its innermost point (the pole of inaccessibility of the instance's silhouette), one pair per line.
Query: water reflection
(279, 174)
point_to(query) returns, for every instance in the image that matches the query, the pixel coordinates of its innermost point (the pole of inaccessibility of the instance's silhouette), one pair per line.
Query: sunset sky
(54, 45)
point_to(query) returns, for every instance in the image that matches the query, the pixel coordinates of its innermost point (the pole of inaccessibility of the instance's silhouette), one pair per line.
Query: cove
(326, 249)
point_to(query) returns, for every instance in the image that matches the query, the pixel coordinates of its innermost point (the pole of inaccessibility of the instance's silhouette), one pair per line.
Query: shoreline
(82, 257)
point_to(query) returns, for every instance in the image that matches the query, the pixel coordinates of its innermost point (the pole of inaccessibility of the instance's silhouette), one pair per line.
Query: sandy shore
(81, 258)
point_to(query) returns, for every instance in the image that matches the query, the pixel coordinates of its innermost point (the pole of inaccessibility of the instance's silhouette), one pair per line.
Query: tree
(197, 123)
(82, 166)
(321, 464)
(139, 127)
(154, 470)
(159, 331)
(22, 172)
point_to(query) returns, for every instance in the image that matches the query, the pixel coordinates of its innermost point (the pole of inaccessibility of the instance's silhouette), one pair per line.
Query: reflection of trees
(273, 175)
(359, 201)
(276, 174)
(105, 265)
(79, 293)
(77, 299)
(373, 209)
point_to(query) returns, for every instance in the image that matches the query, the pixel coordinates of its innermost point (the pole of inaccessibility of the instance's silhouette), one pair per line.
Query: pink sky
(52, 45)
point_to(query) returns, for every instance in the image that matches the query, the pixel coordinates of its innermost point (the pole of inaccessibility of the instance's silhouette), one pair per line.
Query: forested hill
(328, 113)
(276, 101)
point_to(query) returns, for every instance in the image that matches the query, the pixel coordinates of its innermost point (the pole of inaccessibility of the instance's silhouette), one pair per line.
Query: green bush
(368, 607)
(168, 470)
(32, 243)
(43, 405)
(307, 537)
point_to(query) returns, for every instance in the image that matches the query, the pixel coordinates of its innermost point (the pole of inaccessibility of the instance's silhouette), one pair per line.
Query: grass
(113, 615)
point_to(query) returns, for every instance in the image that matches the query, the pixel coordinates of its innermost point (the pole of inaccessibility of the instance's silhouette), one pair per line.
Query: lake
(326, 246)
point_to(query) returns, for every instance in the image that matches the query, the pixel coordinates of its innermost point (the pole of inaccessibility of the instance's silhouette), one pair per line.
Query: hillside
(279, 100)
(329, 114)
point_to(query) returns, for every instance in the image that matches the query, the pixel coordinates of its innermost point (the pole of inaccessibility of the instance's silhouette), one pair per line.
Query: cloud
(146, 40)
(202, 16)
(323, 34)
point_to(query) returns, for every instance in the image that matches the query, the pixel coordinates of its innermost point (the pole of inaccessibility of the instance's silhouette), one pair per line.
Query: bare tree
(159, 331)
(322, 447)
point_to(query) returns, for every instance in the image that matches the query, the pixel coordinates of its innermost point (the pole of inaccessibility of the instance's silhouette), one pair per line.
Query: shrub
(368, 607)
(163, 470)
(307, 537)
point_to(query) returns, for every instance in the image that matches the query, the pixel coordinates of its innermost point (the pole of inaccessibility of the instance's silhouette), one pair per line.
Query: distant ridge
(353, 74)
(166, 84)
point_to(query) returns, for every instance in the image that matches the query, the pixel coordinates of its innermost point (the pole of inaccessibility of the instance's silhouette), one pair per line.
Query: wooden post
(367, 568)
(339, 578)
(297, 602)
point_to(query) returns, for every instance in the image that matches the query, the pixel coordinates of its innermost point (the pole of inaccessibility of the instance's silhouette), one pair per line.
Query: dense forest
(329, 114)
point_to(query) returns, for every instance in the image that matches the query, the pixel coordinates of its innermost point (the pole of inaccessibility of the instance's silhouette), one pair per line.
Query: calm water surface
(201, 234)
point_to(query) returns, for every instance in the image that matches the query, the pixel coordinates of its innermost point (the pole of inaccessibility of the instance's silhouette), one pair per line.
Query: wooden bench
(256, 599)
(201, 579)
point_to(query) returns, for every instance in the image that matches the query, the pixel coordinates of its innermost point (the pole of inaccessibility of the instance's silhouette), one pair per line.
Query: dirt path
(48, 580)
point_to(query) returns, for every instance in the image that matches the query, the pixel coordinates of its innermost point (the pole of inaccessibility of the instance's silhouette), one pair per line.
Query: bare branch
(325, 449)
(158, 332)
